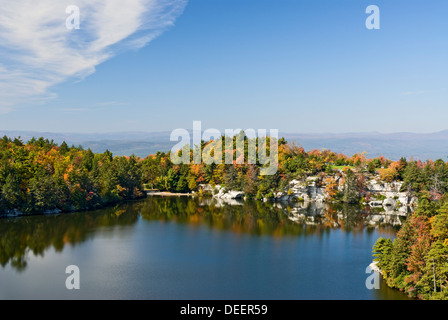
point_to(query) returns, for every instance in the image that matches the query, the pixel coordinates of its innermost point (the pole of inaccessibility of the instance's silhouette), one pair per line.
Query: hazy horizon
(418, 146)
(189, 129)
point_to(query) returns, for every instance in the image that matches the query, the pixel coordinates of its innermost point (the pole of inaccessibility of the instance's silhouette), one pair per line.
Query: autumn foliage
(416, 262)
(40, 175)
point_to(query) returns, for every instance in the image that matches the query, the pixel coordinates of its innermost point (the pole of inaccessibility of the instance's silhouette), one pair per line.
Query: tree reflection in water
(35, 234)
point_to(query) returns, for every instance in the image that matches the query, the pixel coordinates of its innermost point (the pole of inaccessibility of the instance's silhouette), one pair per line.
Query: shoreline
(15, 213)
(167, 194)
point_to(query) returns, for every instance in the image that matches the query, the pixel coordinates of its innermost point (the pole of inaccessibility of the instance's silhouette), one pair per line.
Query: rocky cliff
(312, 189)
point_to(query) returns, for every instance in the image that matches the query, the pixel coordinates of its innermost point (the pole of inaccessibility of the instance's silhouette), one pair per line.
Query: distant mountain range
(421, 146)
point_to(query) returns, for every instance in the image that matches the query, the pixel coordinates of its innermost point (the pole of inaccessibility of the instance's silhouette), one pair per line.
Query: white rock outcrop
(382, 194)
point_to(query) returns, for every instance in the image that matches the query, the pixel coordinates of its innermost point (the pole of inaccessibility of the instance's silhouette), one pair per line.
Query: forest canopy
(39, 176)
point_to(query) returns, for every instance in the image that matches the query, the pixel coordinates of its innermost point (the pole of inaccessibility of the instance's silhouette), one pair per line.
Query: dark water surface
(184, 248)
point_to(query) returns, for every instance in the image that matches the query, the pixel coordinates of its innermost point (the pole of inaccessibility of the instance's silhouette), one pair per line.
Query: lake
(189, 248)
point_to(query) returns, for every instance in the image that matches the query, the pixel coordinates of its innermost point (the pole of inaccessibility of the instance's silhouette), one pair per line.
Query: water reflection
(269, 218)
(35, 234)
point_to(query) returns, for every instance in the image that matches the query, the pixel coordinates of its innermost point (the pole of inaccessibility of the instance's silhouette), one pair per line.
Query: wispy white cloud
(412, 93)
(37, 51)
(103, 105)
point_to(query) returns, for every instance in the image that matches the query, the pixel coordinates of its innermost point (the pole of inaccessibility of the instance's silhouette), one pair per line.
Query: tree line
(39, 175)
(416, 261)
(332, 169)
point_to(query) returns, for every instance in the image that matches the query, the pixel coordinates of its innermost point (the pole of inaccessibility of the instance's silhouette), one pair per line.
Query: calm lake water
(185, 248)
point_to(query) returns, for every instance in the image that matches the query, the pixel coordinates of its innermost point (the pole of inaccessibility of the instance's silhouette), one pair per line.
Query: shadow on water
(35, 234)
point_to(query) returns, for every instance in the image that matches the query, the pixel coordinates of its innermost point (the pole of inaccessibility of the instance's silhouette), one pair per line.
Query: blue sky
(296, 66)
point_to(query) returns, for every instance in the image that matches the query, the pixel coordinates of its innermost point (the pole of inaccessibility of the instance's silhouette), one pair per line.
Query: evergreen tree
(351, 193)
